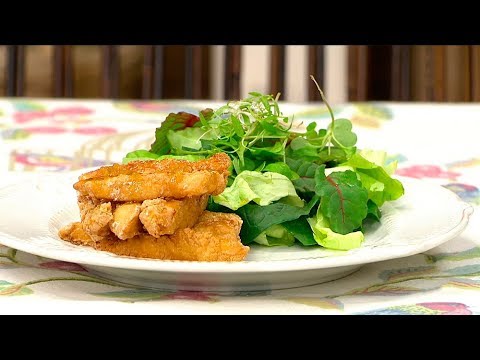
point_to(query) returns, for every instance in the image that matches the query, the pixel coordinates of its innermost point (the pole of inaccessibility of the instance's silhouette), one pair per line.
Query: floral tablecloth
(434, 142)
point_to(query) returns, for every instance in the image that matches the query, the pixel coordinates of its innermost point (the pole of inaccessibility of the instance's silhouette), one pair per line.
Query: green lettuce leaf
(268, 152)
(301, 148)
(173, 122)
(343, 135)
(337, 168)
(261, 188)
(375, 178)
(305, 184)
(343, 199)
(329, 239)
(275, 235)
(248, 165)
(257, 219)
(379, 158)
(188, 138)
(373, 211)
(281, 168)
(139, 155)
(301, 230)
(334, 155)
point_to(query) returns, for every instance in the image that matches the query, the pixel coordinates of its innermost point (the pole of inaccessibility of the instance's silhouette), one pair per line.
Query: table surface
(437, 143)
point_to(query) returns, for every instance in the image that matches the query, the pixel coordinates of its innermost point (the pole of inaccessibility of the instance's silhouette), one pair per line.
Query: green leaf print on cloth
(7, 288)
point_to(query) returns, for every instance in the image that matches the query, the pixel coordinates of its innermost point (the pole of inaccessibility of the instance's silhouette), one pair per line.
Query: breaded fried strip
(164, 217)
(140, 187)
(75, 234)
(217, 162)
(95, 216)
(146, 180)
(85, 205)
(214, 238)
(126, 223)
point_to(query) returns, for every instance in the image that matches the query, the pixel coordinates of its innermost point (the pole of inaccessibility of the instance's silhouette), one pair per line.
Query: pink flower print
(23, 117)
(44, 160)
(95, 130)
(427, 171)
(62, 265)
(53, 130)
(70, 111)
(148, 106)
(428, 308)
(448, 308)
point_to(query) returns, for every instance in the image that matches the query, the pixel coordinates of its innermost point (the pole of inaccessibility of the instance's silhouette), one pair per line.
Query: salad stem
(324, 100)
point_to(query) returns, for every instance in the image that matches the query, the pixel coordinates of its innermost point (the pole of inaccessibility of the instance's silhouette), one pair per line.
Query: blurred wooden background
(359, 73)
(437, 73)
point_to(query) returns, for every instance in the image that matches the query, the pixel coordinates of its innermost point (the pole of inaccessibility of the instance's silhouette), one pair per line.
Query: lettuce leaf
(257, 219)
(343, 199)
(261, 188)
(282, 168)
(173, 122)
(301, 148)
(373, 211)
(326, 237)
(301, 230)
(375, 176)
(343, 134)
(305, 184)
(140, 155)
(275, 235)
(187, 138)
(276, 151)
(379, 158)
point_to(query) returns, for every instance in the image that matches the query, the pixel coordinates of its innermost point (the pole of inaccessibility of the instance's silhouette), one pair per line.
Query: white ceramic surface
(32, 211)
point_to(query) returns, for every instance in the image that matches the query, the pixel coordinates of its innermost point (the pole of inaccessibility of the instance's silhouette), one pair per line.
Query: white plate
(32, 212)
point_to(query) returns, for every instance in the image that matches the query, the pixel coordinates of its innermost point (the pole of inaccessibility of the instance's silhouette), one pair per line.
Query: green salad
(311, 187)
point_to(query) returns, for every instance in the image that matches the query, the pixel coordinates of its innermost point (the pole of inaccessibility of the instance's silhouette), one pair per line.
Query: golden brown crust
(75, 234)
(126, 223)
(164, 216)
(146, 180)
(214, 238)
(96, 216)
(155, 209)
(140, 187)
(218, 162)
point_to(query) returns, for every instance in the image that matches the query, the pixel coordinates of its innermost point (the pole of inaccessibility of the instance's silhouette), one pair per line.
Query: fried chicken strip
(95, 216)
(75, 234)
(164, 217)
(151, 179)
(126, 222)
(215, 237)
(217, 162)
